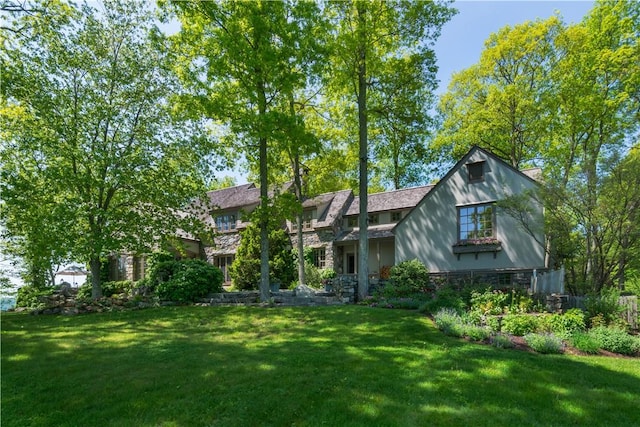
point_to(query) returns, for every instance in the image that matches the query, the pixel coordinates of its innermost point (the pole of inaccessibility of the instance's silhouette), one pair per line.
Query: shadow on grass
(190, 366)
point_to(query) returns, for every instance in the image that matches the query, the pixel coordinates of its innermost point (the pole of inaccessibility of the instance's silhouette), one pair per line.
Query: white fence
(551, 282)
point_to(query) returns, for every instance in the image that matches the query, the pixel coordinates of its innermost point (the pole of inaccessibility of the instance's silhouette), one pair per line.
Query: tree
(369, 35)
(498, 102)
(245, 270)
(237, 58)
(88, 133)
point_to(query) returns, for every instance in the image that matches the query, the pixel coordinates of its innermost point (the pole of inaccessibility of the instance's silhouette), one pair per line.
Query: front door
(351, 263)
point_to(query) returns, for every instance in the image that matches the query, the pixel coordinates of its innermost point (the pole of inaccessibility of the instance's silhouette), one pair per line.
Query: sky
(462, 39)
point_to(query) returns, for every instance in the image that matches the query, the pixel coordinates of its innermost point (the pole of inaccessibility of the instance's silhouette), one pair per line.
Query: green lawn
(336, 366)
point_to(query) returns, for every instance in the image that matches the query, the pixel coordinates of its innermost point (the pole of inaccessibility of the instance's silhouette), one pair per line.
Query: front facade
(460, 225)
(456, 225)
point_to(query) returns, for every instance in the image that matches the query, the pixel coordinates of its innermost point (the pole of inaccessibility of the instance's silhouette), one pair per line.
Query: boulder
(304, 291)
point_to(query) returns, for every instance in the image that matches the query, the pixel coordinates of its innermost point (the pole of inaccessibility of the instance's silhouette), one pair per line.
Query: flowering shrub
(544, 343)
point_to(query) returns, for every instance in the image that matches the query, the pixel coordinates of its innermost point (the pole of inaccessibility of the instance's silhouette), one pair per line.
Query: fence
(551, 282)
(630, 304)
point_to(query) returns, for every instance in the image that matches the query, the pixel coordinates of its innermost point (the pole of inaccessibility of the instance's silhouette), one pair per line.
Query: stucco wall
(430, 230)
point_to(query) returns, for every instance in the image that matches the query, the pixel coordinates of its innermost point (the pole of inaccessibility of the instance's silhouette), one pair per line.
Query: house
(384, 212)
(459, 227)
(455, 227)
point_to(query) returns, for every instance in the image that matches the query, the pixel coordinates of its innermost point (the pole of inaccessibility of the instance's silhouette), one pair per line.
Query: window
(504, 279)
(226, 222)
(475, 222)
(223, 263)
(352, 221)
(319, 258)
(307, 216)
(374, 219)
(476, 171)
(396, 216)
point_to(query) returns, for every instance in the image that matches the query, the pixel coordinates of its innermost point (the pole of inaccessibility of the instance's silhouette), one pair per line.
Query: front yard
(338, 365)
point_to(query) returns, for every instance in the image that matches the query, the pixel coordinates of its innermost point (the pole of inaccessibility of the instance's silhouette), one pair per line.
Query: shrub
(585, 342)
(489, 301)
(191, 280)
(30, 296)
(245, 270)
(494, 323)
(615, 340)
(449, 322)
(446, 297)
(565, 324)
(408, 278)
(501, 341)
(312, 275)
(544, 343)
(519, 324)
(476, 333)
(604, 306)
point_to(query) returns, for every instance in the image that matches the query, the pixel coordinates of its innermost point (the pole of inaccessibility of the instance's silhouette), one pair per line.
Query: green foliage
(545, 343)
(408, 278)
(312, 275)
(108, 289)
(585, 342)
(189, 280)
(30, 296)
(519, 324)
(501, 341)
(444, 298)
(95, 157)
(615, 340)
(565, 324)
(449, 322)
(476, 332)
(489, 302)
(245, 270)
(604, 308)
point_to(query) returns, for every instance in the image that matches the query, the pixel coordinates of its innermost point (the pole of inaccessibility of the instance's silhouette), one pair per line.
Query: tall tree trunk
(264, 202)
(294, 157)
(363, 254)
(94, 266)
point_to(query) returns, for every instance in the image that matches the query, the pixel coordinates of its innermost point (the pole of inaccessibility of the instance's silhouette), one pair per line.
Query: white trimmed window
(476, 222)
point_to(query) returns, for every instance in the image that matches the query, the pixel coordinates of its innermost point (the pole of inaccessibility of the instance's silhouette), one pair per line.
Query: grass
(239, 366)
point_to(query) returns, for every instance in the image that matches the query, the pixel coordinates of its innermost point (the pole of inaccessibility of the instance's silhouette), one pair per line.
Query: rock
(65, 289)
(304, 291)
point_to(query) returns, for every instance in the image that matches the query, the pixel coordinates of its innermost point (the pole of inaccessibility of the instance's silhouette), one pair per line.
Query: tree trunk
(264, 223)
(96, 288)
(363, 254)
(297, 186)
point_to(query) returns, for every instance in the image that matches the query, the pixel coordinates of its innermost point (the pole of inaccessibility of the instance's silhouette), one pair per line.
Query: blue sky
(463, 37)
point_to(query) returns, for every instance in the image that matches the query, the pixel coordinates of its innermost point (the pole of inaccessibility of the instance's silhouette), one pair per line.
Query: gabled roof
(338, 202)
(390, 200)
(527, 174)
(239, 196)
(233, 197)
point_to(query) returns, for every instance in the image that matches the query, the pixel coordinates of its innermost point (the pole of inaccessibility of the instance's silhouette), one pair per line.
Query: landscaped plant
(519, 324)
(604, 307)
(449, 322)
(408, 278)
(108, 289)
(191, 280)
(564, 324)
(544, 343)
(30, 296)
(245, 270)
(615, 340)
(476, 332)
(445, 297)
(489, 302)
(501, 341)
(585, 342)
